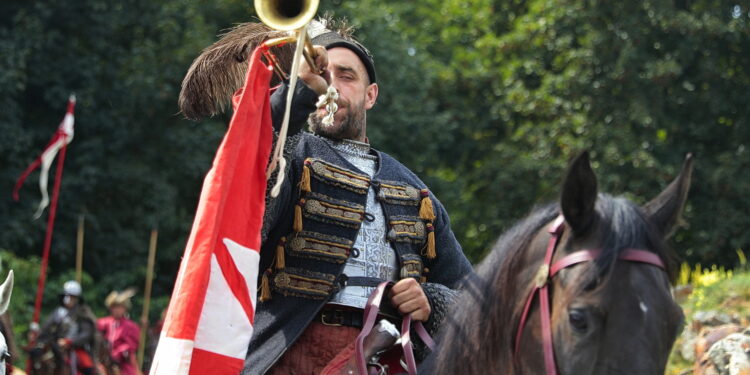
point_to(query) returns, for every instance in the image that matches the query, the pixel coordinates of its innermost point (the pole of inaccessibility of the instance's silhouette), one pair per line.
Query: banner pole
(79, 249)
(147, 296)
(48, 236)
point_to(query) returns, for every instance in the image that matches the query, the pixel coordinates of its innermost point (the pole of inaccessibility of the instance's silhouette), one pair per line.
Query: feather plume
(120, 298)
(220, 69)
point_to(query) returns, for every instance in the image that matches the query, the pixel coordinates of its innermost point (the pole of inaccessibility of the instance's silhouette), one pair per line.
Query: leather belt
(340, 317)
(332, 315)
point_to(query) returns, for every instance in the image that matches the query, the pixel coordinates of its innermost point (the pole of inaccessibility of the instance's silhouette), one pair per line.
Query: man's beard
(351, 126)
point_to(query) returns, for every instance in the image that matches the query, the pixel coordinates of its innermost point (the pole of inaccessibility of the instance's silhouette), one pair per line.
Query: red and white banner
(59, 142)
(60, 139)
(210, 317)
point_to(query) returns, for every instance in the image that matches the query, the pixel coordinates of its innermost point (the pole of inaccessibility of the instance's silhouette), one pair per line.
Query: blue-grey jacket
(310, 228)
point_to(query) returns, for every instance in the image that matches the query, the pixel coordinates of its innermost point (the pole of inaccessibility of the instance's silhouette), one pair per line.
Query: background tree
(134, 164)
(523, 85)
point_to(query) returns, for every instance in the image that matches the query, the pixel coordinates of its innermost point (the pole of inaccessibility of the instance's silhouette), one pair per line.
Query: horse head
(611, 314)
(578, 287)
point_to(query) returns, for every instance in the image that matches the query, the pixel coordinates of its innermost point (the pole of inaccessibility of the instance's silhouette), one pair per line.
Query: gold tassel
(426, 212)
(304, 184)
(431, 245)
(265, 288)
(280, 261)
(298, 216)
(425, 208)
(429, 250)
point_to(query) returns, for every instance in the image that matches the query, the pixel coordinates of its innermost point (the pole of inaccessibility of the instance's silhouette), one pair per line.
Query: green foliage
(134, 164)
(21, 308)
(25, 272)
(517, 88)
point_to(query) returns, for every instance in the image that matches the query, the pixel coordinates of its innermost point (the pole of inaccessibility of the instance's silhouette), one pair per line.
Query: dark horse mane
(489, 309)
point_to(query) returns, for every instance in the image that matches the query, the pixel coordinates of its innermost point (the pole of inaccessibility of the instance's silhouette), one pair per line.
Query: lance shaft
(147, 296)
(79, 250)
(47, 244)
(48, 236)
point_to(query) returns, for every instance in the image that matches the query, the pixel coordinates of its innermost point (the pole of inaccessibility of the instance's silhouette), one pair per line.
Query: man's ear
(371, 95)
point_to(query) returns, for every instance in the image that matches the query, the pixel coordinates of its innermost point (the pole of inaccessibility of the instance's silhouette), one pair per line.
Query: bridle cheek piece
(548, 270)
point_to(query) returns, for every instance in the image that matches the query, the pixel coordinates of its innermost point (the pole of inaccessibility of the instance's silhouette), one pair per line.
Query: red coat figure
(121, 333)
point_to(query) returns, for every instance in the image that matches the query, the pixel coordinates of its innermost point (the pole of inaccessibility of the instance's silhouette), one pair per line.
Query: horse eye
(578, 320)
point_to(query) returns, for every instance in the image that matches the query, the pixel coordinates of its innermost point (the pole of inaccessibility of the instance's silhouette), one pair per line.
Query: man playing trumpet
(347, 218)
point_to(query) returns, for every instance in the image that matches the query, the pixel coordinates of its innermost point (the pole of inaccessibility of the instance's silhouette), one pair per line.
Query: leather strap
(549, 355)
(370, 316)
(540, 285)
(411, 364)
(631, 255)
(643, 256)
(371, 282)
(572, 259)
(406, 342)
(332, 316)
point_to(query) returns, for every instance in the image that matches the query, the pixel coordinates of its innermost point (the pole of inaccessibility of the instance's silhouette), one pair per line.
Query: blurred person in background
(70, 331)
(120, 333)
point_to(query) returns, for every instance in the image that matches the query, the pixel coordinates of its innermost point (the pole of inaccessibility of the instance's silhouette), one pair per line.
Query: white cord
(278, 153)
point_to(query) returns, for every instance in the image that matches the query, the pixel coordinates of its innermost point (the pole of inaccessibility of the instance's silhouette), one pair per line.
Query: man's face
(117, 311)
(356, 95)
(70, 301)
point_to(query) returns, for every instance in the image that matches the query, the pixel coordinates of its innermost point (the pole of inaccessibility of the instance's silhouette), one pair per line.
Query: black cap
(331, 39)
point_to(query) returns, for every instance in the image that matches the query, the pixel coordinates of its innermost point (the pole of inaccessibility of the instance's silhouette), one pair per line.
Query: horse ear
(579, 192)
(666, 208)
(5, 291)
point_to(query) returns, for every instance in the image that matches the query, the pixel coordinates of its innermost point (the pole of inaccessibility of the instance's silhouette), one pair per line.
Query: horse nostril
(578, 320)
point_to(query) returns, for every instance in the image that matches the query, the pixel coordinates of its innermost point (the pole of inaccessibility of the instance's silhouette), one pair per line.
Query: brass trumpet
(288, 15)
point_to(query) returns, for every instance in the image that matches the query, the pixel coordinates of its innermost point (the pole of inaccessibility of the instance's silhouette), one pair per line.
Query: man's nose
(333, 82)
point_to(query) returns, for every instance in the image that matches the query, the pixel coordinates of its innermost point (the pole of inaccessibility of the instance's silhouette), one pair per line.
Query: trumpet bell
(286, 15)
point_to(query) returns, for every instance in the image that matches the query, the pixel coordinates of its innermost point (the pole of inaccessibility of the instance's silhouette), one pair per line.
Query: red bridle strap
(548, 270)
(631, 255)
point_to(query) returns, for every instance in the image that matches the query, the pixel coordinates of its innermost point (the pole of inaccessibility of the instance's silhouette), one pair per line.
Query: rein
(371, 314)
(548, 270)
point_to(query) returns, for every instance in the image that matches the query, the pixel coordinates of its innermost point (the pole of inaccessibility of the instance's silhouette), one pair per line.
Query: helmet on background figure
(72, 288)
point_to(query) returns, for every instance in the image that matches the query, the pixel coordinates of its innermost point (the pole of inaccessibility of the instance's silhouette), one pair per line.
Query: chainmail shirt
(372, 255)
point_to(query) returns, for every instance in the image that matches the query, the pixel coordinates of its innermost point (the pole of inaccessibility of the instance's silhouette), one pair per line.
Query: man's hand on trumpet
(317, 82)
